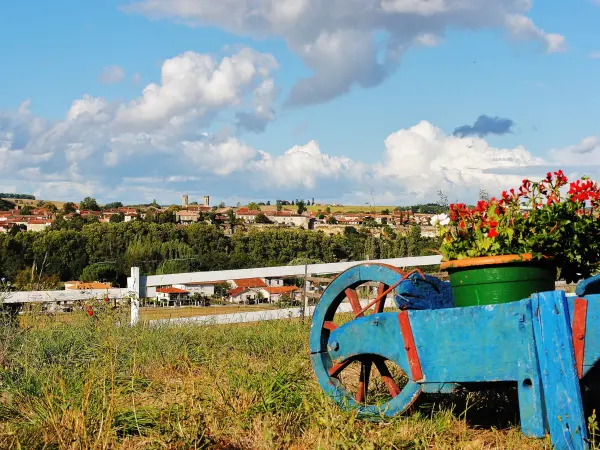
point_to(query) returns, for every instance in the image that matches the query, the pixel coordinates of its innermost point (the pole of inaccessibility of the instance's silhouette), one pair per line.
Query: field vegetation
(91, 384)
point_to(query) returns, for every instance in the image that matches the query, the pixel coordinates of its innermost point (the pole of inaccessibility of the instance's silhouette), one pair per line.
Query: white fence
(139, 286)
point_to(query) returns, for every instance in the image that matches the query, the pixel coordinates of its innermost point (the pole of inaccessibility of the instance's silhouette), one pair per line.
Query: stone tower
(184, 201)
(206, 200)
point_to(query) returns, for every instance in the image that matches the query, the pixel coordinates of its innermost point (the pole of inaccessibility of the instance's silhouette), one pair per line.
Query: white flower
(444, 219)
(434, 220)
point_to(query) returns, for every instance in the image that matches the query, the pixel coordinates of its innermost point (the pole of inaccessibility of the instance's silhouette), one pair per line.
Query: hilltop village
(31, 215)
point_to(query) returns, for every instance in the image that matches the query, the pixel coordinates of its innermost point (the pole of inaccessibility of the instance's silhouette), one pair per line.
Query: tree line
(91, 251)
(19, 196)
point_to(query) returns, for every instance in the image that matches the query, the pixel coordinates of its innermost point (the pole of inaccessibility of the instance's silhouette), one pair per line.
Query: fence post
(133, 286)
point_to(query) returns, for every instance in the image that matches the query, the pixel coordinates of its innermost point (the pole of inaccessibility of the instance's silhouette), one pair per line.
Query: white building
(171, 296)
(206, 288)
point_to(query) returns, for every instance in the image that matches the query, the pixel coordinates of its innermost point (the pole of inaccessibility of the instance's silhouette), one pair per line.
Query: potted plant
(505, 249)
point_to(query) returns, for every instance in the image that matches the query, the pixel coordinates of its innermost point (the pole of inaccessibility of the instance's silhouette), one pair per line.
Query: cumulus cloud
(196, 84)
(485, 125)
(347, 43)
(128, 152)
(166, 120)
(422, 159)
(304, 166)
(111, 75)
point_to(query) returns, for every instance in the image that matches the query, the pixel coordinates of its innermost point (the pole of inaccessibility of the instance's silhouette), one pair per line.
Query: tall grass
(90, 384)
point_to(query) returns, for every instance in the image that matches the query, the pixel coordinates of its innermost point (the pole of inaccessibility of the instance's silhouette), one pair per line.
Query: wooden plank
(579, 318)
(529, 382)
(410, 347)
(562, 394)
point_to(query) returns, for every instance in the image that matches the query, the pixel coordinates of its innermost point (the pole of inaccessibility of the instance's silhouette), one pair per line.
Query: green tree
(231, 218)
(331, 220)
(89, 204)
(113, 205)
(116, 218)
(300, 206)
(252, 206)
(261, 218)
(26, 210)
(414, 240)
(222, 205)
(50, 207)
(279, 206)
(5, 205)
(103, 272)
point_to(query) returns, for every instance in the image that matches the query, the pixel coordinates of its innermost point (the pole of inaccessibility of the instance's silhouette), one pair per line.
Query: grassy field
(92, 385)
(25, 201)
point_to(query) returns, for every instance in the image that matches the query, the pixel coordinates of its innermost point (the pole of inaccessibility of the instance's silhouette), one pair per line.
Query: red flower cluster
(89, 310)
(588, 190)
(476, 217)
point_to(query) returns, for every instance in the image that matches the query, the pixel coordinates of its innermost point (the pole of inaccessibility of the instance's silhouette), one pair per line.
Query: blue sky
(394, 79)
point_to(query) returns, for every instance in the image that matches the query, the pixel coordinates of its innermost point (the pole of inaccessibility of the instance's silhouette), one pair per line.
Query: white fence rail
(145, 286)
(63, 296)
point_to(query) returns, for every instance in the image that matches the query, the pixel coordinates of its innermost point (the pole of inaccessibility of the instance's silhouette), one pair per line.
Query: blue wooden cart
(546, 344)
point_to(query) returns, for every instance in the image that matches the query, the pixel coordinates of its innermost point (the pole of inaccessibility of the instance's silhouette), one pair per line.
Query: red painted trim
(329, 325)
(579, 318)
(354, 302)
(410, 347)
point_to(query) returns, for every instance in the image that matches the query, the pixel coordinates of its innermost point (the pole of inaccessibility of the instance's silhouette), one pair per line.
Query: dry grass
(92, 385)
(26, 201)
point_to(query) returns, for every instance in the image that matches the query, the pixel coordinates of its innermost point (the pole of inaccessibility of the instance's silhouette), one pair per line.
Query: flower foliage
(551, 218)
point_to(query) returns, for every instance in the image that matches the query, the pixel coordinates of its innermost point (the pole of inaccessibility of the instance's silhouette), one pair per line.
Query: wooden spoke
(337, 368)
(363, 385)
(386, 376)
(381, 303)
(354, 302)
(329, 325)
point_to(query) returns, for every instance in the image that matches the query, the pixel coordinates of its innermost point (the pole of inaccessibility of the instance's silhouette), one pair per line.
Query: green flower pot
(498, 279)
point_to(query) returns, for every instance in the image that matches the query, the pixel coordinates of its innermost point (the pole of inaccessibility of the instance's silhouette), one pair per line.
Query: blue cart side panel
(471, 344)
(562, 394)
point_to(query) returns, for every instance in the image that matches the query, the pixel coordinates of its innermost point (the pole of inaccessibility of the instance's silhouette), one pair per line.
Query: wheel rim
(372, 371)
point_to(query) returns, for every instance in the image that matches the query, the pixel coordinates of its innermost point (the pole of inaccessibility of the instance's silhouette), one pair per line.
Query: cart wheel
(372, 384)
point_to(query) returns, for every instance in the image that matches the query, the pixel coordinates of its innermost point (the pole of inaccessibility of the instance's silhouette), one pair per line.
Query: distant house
(187, 216)
(38, 224)
(203, 287)
(256, 290)
(84, 285)
(171, 296)
(274, 294)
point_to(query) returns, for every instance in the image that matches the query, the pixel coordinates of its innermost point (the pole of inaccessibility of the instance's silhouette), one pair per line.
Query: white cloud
(303, 166)
(111, 75)
(221, 158)
(428, 40)
(351, 42)
(136, 78)
(586, 152)
(522, 27)
(422, 159)
(195, 84)
(596, 54)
